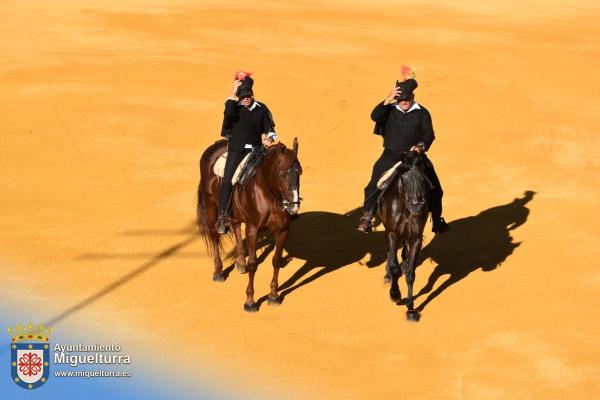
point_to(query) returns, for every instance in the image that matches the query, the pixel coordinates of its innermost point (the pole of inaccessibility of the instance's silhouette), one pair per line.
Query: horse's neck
(267, 169)
(396, 188)
(260, 187)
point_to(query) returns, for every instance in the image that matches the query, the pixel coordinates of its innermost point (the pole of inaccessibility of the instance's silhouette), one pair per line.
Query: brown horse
(267, 200)
(403, 211)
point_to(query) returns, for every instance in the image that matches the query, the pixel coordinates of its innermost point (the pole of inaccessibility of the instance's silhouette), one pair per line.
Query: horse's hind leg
(392, 267)
(250, 305)
(280, 238)
(413, 252)
(211, 220)
(240, 262)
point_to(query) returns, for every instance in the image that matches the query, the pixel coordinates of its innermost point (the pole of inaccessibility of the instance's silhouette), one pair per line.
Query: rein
(398, 175)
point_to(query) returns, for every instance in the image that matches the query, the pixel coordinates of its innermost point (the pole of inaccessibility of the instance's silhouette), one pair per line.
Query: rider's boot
(223, 223)
(439, 225)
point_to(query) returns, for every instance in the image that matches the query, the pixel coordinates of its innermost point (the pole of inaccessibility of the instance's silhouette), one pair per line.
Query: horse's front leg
(392, 267)
(413, 253)
(240, 262)
(250, 305)
(280, 238)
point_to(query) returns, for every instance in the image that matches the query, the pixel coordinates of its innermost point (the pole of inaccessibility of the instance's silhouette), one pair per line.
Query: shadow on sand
(481, 241)
(329, 241)
(152, 261)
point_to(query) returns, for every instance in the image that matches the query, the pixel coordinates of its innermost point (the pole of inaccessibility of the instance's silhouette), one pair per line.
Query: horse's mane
(280, 150)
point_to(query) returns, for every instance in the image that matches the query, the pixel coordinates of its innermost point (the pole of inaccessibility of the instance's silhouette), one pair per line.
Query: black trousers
(387, 161)
(234, 158)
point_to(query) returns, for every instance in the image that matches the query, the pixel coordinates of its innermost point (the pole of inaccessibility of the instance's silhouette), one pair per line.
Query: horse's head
(284, 175)
(414, 182)
(413, 159)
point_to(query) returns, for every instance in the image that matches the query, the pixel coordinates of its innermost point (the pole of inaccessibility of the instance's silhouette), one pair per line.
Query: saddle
(387, 176)
(415, 184)
(245, 170)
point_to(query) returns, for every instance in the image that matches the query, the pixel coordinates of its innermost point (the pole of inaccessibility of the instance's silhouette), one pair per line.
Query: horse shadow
(327, 242)
(481, 241)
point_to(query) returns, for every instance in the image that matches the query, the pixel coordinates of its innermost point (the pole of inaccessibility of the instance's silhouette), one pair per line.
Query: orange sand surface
(106, 106)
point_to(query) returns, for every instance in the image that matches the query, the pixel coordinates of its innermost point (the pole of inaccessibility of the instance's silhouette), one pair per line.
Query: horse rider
(245, 121)
(405, 126)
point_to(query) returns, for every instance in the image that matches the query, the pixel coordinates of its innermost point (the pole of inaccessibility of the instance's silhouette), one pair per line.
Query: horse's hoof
(387, 280)
(274, 300)
(219, 277)
(395, 296)
(413, 316)
(252, 307)
(241, 268)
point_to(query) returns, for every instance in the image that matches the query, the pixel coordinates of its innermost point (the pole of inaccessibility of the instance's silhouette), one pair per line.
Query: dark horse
(267, 200)
(403, 211)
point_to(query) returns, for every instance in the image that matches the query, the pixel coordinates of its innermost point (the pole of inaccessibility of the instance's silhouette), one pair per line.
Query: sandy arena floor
(106, 106)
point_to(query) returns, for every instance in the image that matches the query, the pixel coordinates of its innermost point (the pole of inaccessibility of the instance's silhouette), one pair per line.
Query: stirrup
(365, 225)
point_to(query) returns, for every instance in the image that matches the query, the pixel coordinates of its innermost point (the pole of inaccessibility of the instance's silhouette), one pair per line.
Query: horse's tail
(201, 208)
(201, 219)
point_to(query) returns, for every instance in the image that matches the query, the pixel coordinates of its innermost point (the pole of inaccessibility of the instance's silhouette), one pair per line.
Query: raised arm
(381, 110)
(231, 102)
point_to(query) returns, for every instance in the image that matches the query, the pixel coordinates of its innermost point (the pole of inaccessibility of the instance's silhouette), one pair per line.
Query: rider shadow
(481, 241)
(327, 242)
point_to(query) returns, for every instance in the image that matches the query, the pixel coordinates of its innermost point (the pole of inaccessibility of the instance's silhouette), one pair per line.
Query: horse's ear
(282, 149)
(295, 145)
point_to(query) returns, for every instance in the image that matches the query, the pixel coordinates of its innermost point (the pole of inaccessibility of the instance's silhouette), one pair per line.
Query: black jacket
(401, 131)
(242, 126)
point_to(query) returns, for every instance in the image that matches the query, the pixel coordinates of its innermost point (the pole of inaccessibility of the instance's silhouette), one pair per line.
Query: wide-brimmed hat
(406, 89)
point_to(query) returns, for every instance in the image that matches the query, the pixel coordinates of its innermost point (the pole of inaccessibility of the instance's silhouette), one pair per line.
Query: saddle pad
(219, 168)
(239, 169)
(387, 174)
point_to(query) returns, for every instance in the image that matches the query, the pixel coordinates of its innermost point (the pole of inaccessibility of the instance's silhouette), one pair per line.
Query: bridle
(293, 184)
(294, 187)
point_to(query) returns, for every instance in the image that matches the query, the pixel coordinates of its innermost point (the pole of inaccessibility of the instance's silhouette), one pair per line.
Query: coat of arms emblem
(30, 355)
